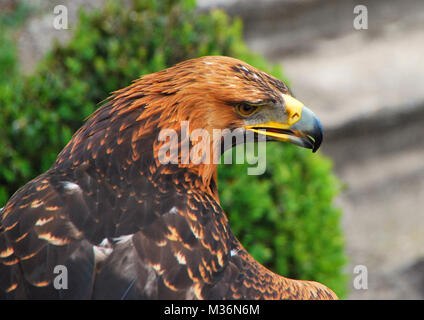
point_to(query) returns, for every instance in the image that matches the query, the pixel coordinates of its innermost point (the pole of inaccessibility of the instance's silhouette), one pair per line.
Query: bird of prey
(109, 220)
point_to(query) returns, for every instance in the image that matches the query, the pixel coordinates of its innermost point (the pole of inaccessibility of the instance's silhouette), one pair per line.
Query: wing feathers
(156, 242)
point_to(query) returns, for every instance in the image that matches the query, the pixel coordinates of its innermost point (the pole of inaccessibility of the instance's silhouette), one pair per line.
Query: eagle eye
(245, 109)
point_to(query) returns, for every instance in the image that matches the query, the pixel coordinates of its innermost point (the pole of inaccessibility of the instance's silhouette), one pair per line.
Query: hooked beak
(301, 128)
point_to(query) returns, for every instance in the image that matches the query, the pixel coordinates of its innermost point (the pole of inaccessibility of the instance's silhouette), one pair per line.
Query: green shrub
(10, 20)
(285, 217)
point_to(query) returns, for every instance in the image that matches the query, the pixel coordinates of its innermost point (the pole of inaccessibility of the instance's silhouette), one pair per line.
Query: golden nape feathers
(128, 225)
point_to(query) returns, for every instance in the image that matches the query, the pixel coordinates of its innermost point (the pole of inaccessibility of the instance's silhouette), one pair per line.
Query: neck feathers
(146, 125)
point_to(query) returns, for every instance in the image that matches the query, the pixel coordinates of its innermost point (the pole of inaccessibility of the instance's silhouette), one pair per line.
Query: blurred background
(365, 85)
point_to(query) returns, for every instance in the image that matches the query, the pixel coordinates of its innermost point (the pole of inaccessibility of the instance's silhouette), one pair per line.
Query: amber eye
(246, 110)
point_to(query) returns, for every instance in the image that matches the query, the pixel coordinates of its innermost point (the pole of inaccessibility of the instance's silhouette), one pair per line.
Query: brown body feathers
(126, 226)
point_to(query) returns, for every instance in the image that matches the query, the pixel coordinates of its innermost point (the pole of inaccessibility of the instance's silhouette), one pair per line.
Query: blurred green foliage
(9, 21)
(285, 217)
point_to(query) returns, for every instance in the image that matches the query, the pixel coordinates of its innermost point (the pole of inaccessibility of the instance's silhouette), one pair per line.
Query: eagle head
(196, 104)
(216, 92)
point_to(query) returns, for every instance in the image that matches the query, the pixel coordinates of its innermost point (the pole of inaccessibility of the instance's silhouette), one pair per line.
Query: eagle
(111, 220)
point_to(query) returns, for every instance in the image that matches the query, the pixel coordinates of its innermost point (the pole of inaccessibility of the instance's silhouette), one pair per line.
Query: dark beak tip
(310, 127)
(318, 136)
